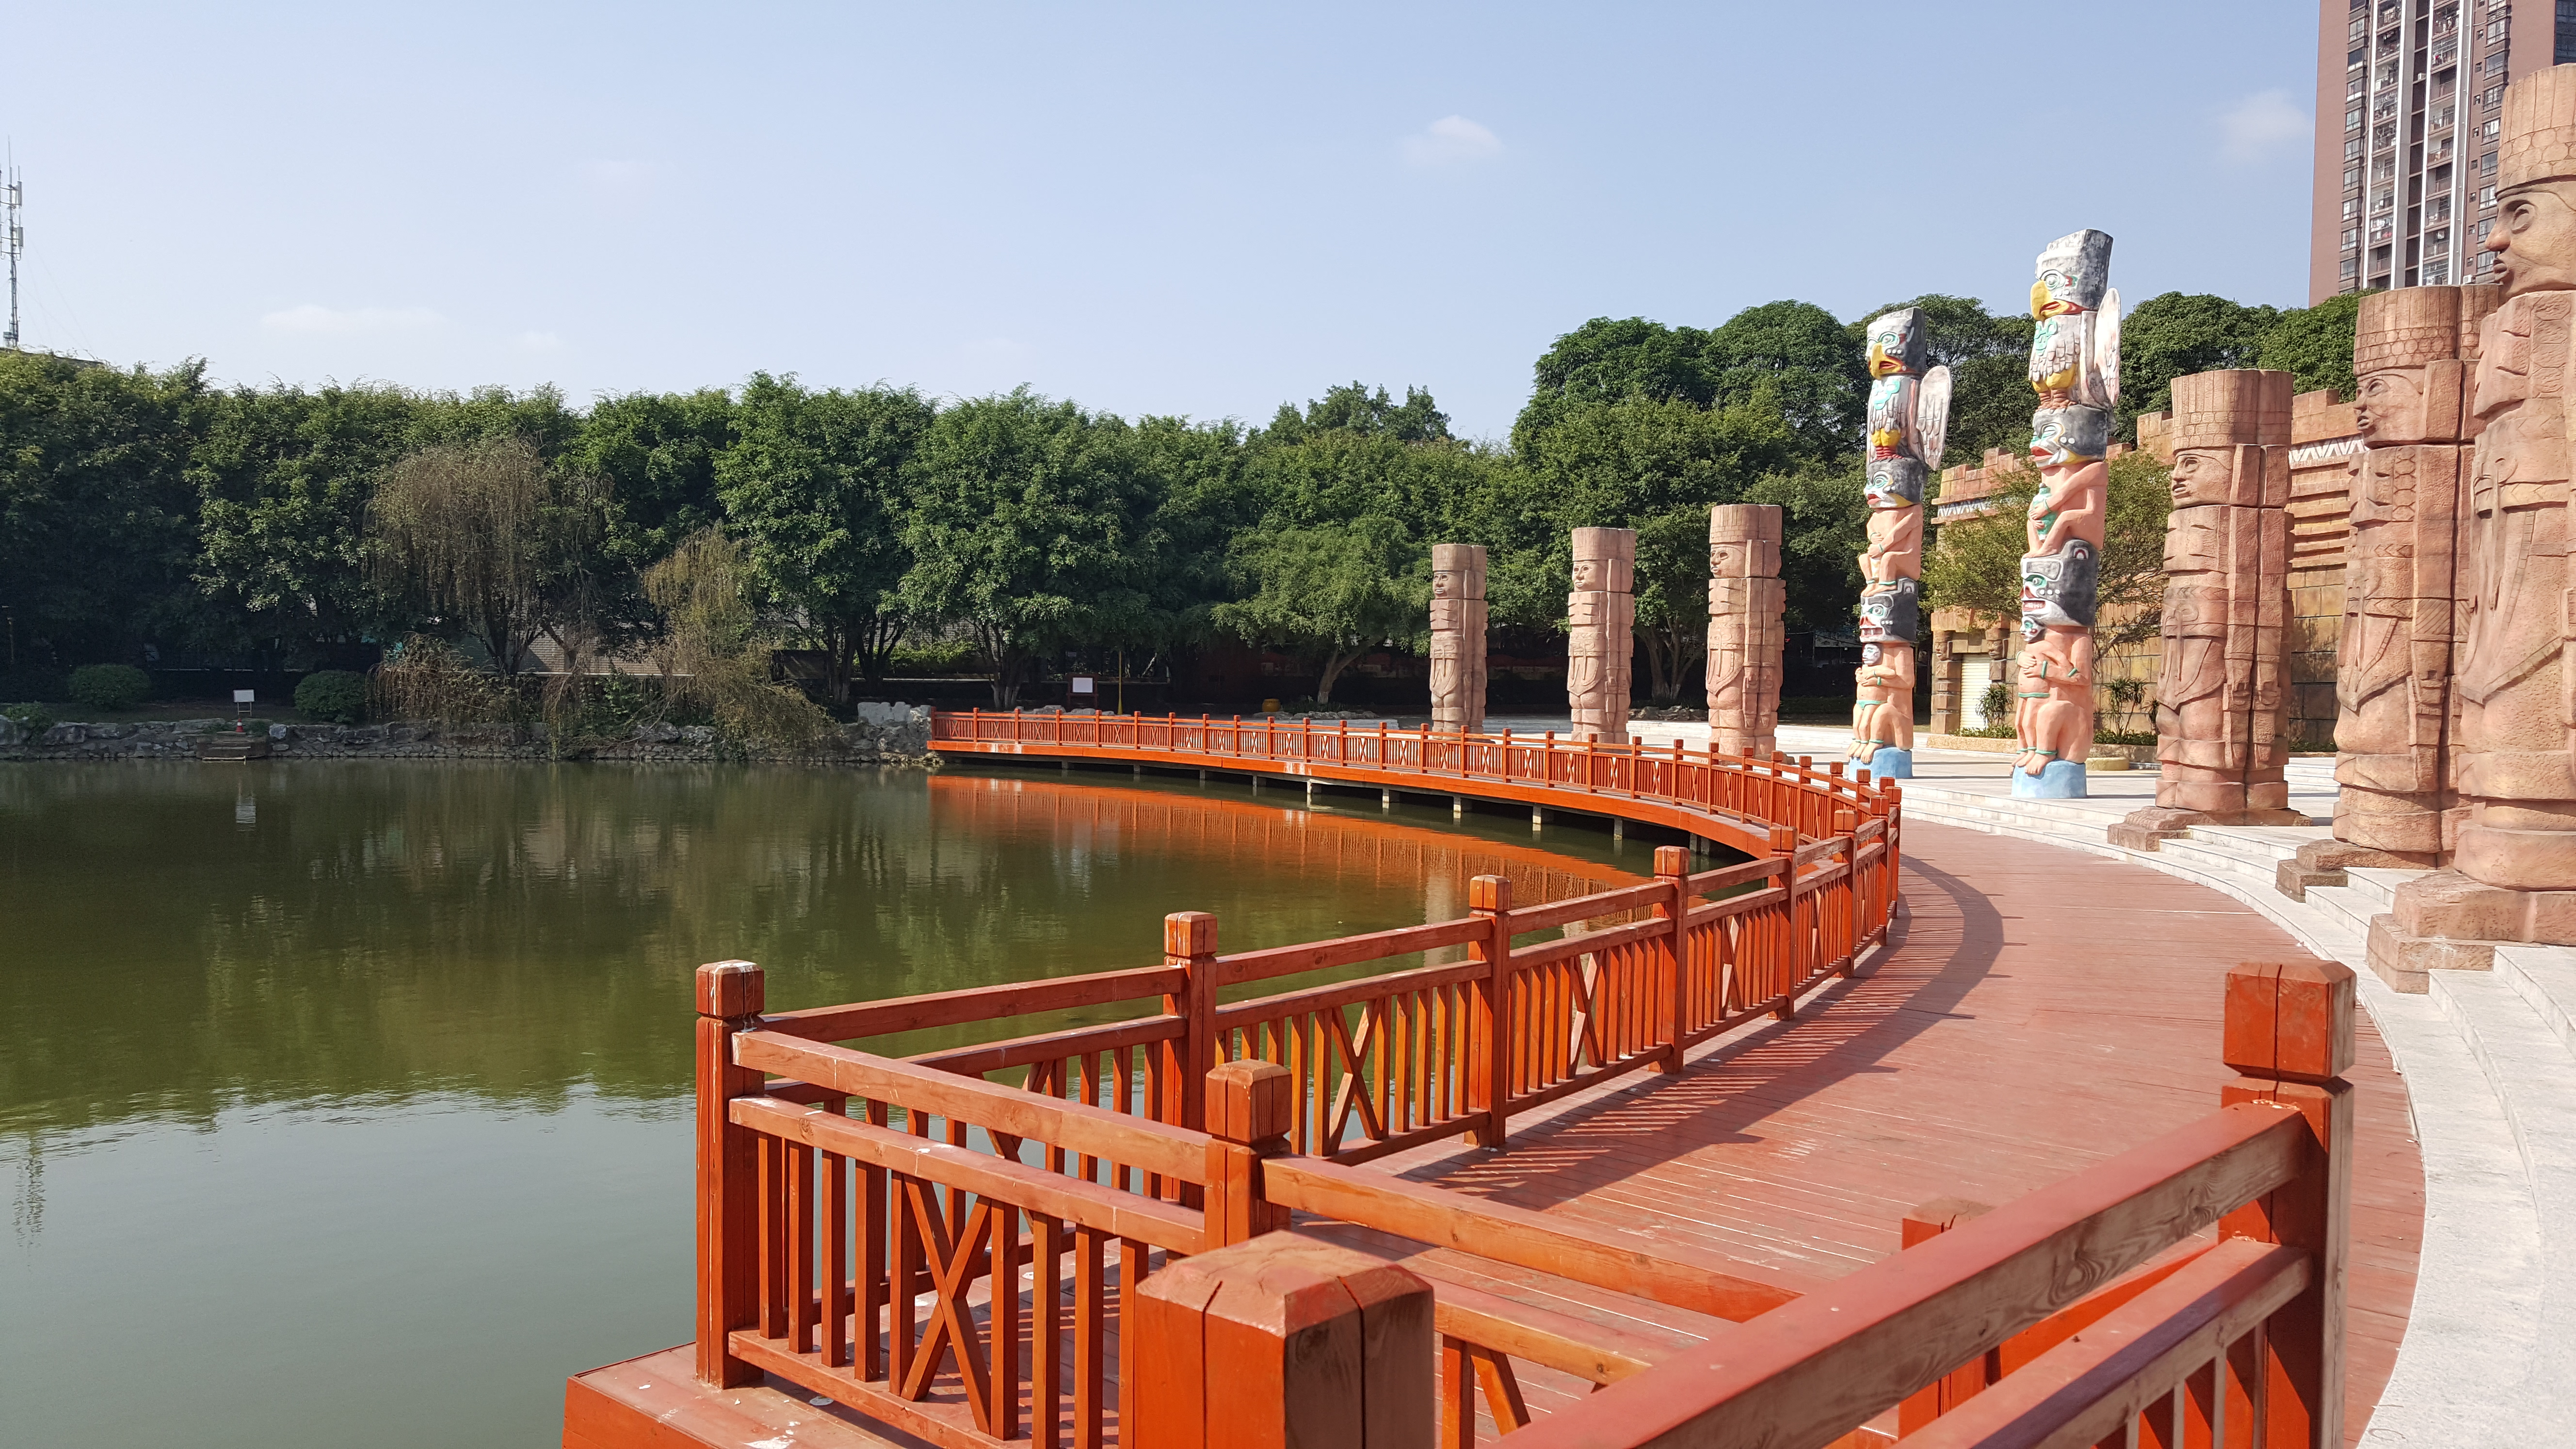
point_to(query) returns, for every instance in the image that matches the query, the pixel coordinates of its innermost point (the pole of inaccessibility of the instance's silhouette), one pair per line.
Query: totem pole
(2513, 875)
(1458, 637)
(2413, 353)
(1745, 597)
(2222, 697)
(1602, 612)
(1909, 410)
(2075, 368)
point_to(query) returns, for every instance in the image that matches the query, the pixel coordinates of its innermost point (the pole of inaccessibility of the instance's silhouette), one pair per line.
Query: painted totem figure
(2222, 696)
(1602, 613)
(1745, 599)
(2075, 369)
(2414, 351)
(1458, 637)
(2513, 874)
(1909, 411)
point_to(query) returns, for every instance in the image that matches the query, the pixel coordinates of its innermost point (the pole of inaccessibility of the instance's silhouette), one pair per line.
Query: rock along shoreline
(884, 734)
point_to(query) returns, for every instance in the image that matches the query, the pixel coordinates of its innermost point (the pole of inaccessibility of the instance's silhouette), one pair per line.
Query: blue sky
(1169, 209)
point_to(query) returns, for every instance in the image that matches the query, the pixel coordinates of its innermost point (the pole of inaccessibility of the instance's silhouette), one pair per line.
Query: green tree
(1604, 360)
(1824, 526)
(1975, 563)
(484, 536)
(658, 452)
(2174, 335)
(1028, 527)
(282, 478)
(1352, 408)
(2314, 345)
(1329, 593)
(1202, 498)
(1657, 466)
(814, 483)
(97, 518)
(1799, 354)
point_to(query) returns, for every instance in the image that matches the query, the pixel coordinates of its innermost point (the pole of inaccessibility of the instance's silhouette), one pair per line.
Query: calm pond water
(346, 1102)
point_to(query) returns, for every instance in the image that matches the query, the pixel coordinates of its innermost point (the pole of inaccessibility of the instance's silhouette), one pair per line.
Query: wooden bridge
(929, 1255)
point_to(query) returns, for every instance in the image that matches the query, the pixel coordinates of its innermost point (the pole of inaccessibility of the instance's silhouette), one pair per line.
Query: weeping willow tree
(713, 653)
(484, 538)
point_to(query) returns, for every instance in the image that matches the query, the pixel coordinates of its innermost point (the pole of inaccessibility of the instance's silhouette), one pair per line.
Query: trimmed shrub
(28, 717)
(110, 686)
(334, 696)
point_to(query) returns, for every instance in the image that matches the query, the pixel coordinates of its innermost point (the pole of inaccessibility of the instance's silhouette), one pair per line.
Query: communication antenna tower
(13, 240)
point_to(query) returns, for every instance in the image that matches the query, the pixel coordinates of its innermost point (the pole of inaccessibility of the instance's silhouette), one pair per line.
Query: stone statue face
(2204, 475)
(1590, 576)
(1871, 654)
(1725, 560)
(2535, 238)
(1444, 585)
(2390, 408)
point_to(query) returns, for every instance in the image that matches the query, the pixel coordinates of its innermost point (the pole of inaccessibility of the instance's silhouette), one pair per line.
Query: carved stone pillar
(2222, 696)
(2513, 875)
(1602, 615)
(1745, 597)
(1458, 637)
(2075, 369)
(2413, 354)
(1909, 410)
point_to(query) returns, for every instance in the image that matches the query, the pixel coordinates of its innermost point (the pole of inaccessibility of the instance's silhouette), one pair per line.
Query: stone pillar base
(2447, 922)
(2141, 829)
(2323, 863)
(2405, 962)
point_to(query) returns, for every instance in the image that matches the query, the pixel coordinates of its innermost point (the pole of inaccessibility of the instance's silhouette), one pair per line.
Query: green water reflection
(342, 1100)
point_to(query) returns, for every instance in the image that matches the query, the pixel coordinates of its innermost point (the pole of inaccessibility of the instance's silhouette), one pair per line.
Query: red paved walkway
(2042, 1010)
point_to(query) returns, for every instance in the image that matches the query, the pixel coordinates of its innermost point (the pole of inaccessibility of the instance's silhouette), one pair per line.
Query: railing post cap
(2289, 1020)
(730, 988)
(1672, 860)
(1489, 893)
(1250, 1101)
(1189, 933)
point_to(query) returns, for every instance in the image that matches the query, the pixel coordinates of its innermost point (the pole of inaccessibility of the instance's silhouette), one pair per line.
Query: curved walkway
(2038, 1011)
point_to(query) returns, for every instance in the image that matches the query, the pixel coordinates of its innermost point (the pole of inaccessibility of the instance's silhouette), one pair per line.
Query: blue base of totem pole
(2057, 780)
(1891, 763)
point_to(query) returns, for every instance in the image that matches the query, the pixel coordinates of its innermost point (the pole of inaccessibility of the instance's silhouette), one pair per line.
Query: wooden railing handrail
(1483, 1228)
(1603, 774)
(973, 1004)
(1066, 1199)
(1852, 1349)
(1340, 951)
(1158, 1147)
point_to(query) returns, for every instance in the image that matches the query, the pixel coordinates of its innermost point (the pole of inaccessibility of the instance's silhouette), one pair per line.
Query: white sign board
(244, 696)
(1082, 684)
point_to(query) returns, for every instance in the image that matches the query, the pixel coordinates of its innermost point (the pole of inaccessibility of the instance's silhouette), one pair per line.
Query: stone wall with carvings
(2324, 441)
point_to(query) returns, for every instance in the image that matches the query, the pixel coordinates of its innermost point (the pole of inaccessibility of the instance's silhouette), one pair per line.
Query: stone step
(2532, 1072)
(2346, 910)
(2221, 853)
(2474, 1329)
(2544, 977)
(2378, 886)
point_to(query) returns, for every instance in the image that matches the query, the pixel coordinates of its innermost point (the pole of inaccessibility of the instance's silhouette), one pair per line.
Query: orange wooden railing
(838, 1196)
(1730, 798)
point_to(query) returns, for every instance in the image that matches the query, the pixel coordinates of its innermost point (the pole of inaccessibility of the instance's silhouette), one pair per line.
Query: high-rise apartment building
(2409, 98)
